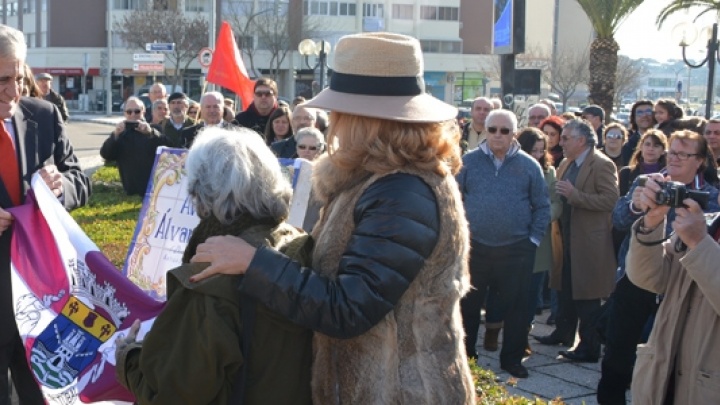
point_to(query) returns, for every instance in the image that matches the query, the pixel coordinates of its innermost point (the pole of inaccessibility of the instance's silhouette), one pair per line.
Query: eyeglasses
(640, 113)
(311, 148)
(503, 131)
(537, 117)
(135, 111)
(266, 93)
(614, 135)
(681, 155)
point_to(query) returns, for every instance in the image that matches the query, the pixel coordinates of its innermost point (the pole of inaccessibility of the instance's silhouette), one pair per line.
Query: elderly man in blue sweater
(508, 208)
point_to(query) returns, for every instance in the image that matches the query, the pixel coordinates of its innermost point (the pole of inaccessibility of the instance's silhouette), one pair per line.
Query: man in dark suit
(32, 140)
(211, 110)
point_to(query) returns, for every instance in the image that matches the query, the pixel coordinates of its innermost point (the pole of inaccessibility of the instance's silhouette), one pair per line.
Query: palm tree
(681, 5)
(605, 17)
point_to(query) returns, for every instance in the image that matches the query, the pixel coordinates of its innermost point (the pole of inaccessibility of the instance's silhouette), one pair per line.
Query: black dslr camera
(672, 193)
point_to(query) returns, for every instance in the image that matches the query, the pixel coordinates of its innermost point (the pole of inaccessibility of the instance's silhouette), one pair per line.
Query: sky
(639, 37)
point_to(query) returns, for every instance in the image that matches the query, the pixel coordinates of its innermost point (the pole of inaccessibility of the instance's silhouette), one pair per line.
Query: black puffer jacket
(396, 228)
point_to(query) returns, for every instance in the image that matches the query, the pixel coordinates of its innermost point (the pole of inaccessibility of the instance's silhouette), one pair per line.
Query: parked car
(463, 115)
(623, 118)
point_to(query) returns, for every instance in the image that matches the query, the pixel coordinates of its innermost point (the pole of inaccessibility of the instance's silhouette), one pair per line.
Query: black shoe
(553, 340)
(550, 320)
(579, 356)
(516, 370)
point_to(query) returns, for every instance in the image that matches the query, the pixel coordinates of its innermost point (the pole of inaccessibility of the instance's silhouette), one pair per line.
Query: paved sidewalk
(550, 375)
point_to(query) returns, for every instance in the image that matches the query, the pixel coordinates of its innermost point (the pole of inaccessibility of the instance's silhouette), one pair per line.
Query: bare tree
(271, 29)
(566, 71)
(629, 77)
(273, 36)
(189, 34)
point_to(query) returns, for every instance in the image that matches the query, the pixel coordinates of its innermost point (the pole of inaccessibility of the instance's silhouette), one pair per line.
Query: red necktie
(9, 172)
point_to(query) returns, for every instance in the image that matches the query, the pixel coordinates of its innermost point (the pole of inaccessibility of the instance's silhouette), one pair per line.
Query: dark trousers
(535, 291)
(12, 357)
(506, 271)
(572, 311)
(629, 309)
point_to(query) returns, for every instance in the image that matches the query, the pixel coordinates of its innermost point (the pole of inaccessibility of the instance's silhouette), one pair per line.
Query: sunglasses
(503, 131)
(264, 94)
(613, 135)
(312, 148)
(135, 111)
(640, 113)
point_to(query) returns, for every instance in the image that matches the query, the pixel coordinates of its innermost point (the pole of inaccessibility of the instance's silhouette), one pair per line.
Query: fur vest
(415, 355)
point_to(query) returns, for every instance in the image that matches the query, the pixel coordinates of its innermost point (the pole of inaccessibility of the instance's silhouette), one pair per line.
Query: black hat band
(377, 85)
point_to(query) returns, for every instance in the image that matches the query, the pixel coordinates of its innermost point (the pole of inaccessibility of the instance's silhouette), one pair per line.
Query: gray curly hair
(233, 172)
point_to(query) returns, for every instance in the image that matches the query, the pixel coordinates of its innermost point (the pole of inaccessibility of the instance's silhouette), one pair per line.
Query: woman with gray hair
(310, 143)
(199, 348)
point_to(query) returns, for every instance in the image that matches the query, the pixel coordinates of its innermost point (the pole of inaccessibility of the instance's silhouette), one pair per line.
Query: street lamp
(685, 34)
(320, 48)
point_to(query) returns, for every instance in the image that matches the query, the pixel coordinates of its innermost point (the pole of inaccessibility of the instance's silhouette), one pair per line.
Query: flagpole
(197, 113)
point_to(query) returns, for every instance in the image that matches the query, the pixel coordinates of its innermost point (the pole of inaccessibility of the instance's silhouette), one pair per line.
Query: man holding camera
(630, 306)
(679, 364)
(132, 145)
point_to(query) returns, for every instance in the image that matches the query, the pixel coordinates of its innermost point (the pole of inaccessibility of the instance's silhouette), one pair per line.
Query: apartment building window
(130, 4)
(28, 6)
(236, 7)
(332, 8)
(402, 11)
(661, 82)
(439, 13)
(195, 5)
(439, 46)
(12, 8)
(43, 5)
(30, 40)
(246, 42)
(373, 10)
(280, 7)
(347, 9)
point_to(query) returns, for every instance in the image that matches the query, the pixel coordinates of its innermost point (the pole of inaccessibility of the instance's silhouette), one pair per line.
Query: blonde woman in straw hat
(390, 257)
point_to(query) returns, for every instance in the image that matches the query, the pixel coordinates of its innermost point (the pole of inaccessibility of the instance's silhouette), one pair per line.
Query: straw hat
(380, 75)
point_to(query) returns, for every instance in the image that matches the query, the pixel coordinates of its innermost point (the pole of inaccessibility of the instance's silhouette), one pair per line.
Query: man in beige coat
(588, 187)
(680, 363)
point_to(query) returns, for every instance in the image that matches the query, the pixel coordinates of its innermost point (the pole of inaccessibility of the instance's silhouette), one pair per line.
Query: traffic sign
(205, 57)
(148, 67)
(148, 57)
(160, 47)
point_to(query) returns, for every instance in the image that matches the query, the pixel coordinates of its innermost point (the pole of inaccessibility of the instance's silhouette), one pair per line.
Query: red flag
(227, 68)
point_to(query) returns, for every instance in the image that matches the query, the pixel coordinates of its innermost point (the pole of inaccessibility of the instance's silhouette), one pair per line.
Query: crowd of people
(171, 122)
(424, 224)
(605, 176)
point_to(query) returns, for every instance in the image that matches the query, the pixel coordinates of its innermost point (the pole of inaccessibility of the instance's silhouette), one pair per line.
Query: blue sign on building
(503, 27)
(159, 47)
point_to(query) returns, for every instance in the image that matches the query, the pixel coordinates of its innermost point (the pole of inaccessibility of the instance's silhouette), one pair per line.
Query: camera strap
(638, 228)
